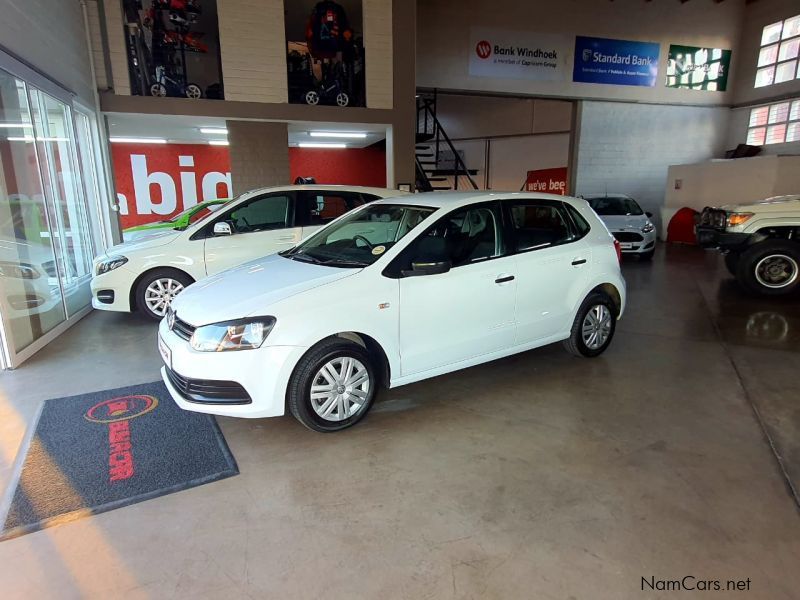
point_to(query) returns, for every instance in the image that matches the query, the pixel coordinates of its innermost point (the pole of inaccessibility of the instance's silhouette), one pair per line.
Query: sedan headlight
(18, 270)
(243, 334)
(110, 264)
(648, 227)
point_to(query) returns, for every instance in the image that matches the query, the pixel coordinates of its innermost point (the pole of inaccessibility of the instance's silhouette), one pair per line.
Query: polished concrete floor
(537, 476)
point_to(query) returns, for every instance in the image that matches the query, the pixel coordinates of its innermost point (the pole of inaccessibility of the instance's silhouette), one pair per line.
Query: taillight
(618, 248)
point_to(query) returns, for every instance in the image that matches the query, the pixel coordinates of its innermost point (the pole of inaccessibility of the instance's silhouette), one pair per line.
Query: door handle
(578, 261)
(504, 279)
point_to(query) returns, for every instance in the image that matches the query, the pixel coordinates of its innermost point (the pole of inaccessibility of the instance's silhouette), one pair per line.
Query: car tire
(732, 262)
(168, 282)
(597, 307)
(770, 268)
(332, 391)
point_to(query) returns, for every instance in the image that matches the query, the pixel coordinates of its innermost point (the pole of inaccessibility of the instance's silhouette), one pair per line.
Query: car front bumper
(263, 374)
(711, 237)
(112, 290)
(646, 244)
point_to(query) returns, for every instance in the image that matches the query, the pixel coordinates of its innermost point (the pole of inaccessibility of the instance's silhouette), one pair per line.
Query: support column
(400, 143)
(259, 154)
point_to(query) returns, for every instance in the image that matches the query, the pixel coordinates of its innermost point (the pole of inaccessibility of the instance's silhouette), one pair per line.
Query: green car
(180, 221)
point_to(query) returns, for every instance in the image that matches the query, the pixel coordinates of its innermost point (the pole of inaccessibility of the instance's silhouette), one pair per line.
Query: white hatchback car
(147, 274)
(394, 292)
(627, 222)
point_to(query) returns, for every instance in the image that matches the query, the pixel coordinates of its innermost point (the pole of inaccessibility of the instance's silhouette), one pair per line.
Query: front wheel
(157, 289)
(771, 268)
(732, 262)
(593, 327)
(333, 386)
(193, 91)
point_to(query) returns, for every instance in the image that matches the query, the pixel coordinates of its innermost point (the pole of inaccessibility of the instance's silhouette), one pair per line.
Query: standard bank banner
(615, 62)
(517, 54)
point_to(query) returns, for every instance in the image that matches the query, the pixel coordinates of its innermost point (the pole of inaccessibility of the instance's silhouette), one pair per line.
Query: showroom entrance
(51, 224)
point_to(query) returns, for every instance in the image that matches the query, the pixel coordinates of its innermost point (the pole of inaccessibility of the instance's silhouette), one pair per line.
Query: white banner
(517, 54)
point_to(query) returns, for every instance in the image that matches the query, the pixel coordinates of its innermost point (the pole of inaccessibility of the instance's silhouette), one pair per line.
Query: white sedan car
(147, 274)
(394, 292)
(627, 222)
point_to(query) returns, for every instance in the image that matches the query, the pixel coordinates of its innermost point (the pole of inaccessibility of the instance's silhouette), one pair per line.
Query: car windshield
(361, 237)
(615, 205)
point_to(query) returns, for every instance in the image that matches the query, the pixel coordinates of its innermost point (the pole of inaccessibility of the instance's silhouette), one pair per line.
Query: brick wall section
(117, 54)
(259, 154)
(627, 148)
(378, 53)
(253, 45)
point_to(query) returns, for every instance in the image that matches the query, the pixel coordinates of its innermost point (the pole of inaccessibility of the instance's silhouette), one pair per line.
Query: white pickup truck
(760, 241)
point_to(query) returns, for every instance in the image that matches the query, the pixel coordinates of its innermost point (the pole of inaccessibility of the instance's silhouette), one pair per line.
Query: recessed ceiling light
(320, 145)
(214, 130)
(338, 134)
(219, 142)
(135, 140)
(16, 126)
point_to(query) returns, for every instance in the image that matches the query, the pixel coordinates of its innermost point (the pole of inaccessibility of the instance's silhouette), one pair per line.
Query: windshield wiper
(303, 257)
(342, 262)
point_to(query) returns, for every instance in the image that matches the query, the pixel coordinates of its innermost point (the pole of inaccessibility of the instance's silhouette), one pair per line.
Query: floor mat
(100, 451)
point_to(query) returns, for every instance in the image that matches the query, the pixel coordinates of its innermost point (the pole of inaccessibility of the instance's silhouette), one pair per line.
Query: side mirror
(649, 215)
(419, 269)
(222, 228)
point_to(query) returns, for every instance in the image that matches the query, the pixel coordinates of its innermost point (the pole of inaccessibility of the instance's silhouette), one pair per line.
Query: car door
(260, 226)
(468, 311)
(553, 262)
(316, 208)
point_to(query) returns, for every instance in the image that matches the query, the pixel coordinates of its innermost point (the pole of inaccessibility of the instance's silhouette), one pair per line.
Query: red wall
(163, 187)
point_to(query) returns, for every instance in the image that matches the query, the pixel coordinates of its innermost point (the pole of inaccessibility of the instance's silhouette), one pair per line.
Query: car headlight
(648, 227)
(110, 264)
(18, 270)
(735, 219)
(242, 334)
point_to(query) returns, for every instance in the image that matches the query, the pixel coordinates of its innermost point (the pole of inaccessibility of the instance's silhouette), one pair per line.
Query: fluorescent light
(219, 142)
(320, 145)
(16, 126)
(218, 130)
(135, 140)
(29, 138)
(338, 134)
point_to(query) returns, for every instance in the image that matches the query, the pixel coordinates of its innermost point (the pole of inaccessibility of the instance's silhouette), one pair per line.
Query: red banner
(547, 181)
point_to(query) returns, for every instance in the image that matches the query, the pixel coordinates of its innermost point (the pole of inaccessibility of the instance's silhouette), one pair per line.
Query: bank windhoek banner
(507, 54)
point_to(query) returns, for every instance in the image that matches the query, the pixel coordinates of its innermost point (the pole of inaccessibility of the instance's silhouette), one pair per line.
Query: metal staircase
(432, 143)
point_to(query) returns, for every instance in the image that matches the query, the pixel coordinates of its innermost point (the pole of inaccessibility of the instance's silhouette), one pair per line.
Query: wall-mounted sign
(694, 68)
(547, 181)
(615, 62)
(517, 54)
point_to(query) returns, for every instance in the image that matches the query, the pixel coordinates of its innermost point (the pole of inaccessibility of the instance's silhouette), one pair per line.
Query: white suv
(394, 292)
(149, 273)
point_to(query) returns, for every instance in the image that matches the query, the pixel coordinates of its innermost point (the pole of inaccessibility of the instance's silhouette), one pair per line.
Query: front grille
(208, 391)
(628, 236)
(182, 329)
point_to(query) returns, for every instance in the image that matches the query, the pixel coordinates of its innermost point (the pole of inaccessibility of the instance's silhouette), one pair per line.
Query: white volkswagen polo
(396, 291)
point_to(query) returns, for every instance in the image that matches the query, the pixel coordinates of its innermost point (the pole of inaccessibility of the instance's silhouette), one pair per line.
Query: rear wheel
(157, 289)
(333, 385)
(593, 327)
(771, 268)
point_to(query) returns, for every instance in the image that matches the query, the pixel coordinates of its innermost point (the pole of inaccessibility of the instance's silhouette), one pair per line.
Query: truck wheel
(731, 261)
(771, 268)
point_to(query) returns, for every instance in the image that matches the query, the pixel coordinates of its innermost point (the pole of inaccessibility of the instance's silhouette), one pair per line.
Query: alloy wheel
(777, 271)
(596, 327)
(340, 389)
(160, 293)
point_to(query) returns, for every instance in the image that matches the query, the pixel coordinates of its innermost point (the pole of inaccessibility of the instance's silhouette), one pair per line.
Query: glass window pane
(765, 76)
(776, 134)
(755, 137)
(791, 27)
(794, 113)
(785, 71)
(793, 132)
(758, 116)
(768, 55)
(771, 33)
(778, 112)
(789, 49)
(30, 296)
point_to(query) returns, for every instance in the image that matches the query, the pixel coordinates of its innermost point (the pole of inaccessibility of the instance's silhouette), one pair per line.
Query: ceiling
(186, 130)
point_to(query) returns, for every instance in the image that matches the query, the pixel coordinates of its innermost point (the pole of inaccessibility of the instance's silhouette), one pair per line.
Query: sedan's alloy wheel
(596, 326)
(340, 389)
(160, 293)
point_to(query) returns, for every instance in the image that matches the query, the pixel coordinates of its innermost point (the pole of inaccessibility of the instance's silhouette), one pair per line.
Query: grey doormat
(100, 451)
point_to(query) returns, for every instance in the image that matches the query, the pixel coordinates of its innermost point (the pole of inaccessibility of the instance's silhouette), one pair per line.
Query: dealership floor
(540, 475)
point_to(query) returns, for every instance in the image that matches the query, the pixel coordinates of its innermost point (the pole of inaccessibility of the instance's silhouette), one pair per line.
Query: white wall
(443, 40)
(627, 148)
(51, 37)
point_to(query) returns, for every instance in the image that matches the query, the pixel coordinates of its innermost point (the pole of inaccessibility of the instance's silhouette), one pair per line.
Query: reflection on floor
(539, 475)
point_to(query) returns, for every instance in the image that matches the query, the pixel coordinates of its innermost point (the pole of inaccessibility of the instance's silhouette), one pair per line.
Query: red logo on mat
(483, 49)
(116, 413)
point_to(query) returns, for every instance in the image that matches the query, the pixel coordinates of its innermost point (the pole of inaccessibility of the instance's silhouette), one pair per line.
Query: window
(323, 207)
(539, 224)
(778, 56)
(774, 123)
(615, 206)
(261, 214)
(577, 219)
